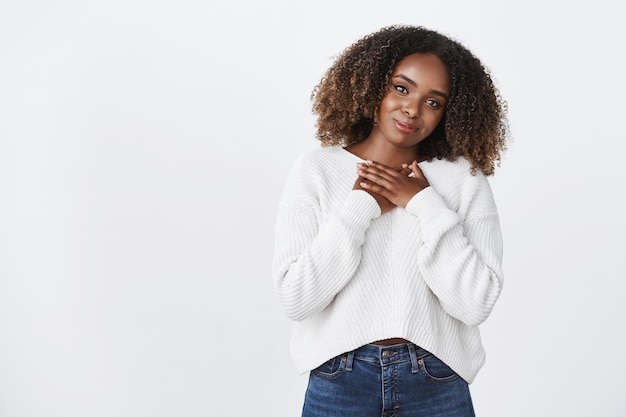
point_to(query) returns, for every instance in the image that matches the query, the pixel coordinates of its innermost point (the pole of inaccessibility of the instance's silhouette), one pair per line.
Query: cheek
(382, 109)
(387, 104)
(434, 120)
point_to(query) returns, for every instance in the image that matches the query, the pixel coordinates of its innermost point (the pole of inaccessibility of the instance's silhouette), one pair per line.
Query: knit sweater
(347, 275)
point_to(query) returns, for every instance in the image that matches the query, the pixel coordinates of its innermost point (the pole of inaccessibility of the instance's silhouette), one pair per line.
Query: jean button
(386, 354)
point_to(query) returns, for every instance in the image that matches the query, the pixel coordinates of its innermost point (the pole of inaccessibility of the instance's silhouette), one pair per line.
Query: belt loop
(413, 355)
(349, 359)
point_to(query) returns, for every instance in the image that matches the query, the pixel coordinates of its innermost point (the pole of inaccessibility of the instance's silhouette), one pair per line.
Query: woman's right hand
(385, 205)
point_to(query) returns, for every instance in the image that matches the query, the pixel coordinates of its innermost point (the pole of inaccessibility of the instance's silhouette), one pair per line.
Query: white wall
(143, 147)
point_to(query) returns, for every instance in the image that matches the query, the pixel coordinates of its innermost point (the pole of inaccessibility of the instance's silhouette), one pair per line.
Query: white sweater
(347, 276)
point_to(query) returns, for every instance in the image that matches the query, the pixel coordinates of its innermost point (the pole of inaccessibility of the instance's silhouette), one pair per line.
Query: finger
(373, 187)
(375, 177)
(380, 167)
(416, 171)
(377, 172)
(405, 169)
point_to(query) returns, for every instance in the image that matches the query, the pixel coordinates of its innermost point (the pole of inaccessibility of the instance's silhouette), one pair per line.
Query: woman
(388, 246)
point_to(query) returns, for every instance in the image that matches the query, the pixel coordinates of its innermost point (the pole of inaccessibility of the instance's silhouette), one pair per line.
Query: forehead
(424, 68)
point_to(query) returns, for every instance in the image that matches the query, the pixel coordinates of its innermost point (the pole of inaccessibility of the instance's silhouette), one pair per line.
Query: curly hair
(349, 95)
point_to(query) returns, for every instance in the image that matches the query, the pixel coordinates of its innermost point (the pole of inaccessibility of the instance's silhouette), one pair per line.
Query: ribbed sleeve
(314, 260)
(459, 261)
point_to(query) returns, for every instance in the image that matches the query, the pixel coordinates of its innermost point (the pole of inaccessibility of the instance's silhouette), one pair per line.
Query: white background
(143, 148)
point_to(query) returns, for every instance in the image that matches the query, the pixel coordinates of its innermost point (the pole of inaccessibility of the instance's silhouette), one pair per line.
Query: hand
(405, 169)
(396, 186)
(384, 204)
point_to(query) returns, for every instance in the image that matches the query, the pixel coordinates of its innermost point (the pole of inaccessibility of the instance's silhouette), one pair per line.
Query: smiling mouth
(405, 127)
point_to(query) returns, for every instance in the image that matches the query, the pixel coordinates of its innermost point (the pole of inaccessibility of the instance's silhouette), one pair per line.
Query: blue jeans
(386, 381)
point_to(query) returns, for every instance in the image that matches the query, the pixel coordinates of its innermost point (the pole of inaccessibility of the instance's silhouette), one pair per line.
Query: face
(415, 103)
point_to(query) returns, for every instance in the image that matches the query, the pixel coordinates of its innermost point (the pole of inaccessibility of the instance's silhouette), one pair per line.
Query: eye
(400, 88)
(433, 103)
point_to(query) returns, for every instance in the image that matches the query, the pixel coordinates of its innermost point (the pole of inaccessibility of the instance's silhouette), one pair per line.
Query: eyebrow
(414, 84)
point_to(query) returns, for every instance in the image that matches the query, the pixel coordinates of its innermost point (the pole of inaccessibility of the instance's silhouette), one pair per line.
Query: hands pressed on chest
(391, 187)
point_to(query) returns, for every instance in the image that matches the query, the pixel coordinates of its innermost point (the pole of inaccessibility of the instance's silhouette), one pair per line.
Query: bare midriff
(389, 342)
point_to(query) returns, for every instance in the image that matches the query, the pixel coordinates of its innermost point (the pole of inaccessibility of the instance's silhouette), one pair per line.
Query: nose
(411, 108)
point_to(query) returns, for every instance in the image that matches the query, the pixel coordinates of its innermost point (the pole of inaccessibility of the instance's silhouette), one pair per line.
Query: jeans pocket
(332, 368)
(436, 370)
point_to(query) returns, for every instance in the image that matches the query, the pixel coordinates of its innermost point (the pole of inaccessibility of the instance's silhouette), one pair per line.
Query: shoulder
(322, 162)
(315, 169)
(461, 188)
(460, 165)
(320, 156)
(457, 172)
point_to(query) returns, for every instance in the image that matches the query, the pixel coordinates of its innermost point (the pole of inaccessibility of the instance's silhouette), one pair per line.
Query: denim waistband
(388, 355)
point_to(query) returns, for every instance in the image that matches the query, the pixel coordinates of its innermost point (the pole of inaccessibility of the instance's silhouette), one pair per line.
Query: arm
(460, 259)
(314, 258)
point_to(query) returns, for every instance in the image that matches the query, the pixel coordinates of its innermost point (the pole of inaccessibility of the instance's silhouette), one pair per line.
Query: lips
(404, 127)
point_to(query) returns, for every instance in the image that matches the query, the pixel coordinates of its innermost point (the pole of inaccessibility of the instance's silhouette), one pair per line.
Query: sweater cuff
(431, 209)
(360, 208)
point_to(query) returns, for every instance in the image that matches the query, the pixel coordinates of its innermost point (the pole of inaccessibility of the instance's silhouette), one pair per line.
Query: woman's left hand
(397, 186)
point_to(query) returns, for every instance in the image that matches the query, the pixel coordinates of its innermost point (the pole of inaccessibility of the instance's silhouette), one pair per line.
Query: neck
(387, 154)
